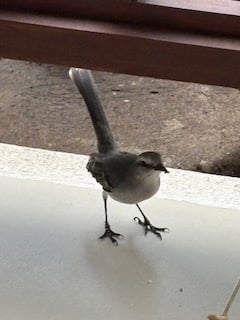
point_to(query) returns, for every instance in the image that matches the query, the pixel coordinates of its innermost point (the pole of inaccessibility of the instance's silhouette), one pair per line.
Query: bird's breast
(136, 191)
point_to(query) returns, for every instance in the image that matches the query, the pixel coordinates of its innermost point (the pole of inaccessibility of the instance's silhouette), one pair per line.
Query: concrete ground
(194, 126)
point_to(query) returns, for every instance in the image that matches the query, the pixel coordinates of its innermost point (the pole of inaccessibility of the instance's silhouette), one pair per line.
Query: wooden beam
(120, 47)
(218, 16)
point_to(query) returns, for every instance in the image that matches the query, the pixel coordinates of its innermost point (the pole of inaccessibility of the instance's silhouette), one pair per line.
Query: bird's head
(148, 161)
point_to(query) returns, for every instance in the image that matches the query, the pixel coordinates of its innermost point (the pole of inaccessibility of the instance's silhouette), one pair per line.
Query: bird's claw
(111, 235)
(149, 227)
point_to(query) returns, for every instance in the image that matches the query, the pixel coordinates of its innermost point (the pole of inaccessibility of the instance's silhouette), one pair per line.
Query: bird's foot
(148, 227)
(111, 235)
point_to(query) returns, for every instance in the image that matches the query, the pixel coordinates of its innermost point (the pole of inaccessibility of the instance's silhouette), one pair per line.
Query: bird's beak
(160, 167)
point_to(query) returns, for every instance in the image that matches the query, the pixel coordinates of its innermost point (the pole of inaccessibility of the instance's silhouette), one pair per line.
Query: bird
(126, 177)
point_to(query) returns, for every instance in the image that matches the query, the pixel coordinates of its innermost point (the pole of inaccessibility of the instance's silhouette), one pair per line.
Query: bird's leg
(108, 231)
(148, 226)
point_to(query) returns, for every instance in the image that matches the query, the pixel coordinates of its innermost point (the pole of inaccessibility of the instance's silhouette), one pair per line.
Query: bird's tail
(87, 87)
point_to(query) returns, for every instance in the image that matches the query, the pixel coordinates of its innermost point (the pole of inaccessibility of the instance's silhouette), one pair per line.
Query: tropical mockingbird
(126, 177)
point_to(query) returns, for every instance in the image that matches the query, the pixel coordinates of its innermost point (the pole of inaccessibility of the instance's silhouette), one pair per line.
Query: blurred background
(195, 127)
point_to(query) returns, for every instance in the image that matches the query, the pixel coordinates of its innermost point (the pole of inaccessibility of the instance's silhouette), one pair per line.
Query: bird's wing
(95, 166)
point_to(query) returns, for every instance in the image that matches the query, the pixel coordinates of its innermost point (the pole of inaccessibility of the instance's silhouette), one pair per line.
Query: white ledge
(53, 267)
(66, 168)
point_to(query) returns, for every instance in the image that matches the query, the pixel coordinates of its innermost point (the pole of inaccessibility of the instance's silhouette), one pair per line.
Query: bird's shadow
(124, 275)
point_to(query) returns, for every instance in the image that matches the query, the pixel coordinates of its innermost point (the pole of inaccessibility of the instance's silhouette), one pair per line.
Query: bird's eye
(142, 164)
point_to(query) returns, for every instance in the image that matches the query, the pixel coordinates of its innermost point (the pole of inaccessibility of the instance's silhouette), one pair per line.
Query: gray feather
(88, 89)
